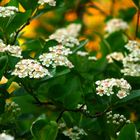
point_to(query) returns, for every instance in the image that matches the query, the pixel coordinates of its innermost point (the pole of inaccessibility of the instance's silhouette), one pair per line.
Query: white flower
(30, 68)
(132, 45)
(60, 50)
(50, 2)
(7, 11)
(62, 61)
(82, 53)
(121, 94)
(92, 58)
(74, 133)
(73, 29)
(118, 56)
(56, 57)
(12, 49)
(67, 36)
(62, 125)
(115, 24)
(47, 59)
(106, 87)
(131, 62)
(4, 136)
(2, 46)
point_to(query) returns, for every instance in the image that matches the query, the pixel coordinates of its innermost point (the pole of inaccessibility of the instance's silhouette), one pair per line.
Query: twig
(20, 29)
(98, 8)
(112, 7)
(60, 116)
(137, 25)
(80, 110)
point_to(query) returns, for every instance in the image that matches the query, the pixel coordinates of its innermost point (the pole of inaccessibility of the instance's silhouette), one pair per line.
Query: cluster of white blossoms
(131, 62)
(7, 11)
(116, 119)
(115, 24)
(107, 86)
(50, 2)
(13, 107)
(132, 45)
(30, 68)
(118, 56)
(11, 49)
(4, 136)
(73, 133)
(67, 36)
(57, 56)
(12, 110)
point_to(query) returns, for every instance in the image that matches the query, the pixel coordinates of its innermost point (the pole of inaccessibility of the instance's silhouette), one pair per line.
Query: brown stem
(20, 29)
(137, 25)
(112, 7)
(98, 8)
(80, 110)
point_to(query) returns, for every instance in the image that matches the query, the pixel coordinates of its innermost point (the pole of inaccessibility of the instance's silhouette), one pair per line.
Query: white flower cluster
(7, 11)
(12, 49)
(115, 24)
(67, 36)
(132, 45)
(13, 107)
(4, 136)
(50, 2)
(31, 68)
(116, 119)
(107, 86)
(56, 57)
(118, 56)
(131, 62)
(73, 133)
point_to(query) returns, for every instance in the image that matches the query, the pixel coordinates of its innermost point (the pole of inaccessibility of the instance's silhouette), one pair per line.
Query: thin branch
(129, 37)
(137, 25)
(20, 29)
(60, 116)
(80, 110)
(98, 8)
(112, 7)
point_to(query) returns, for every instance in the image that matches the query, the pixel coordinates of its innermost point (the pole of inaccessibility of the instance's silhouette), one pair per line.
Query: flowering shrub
(58, 84)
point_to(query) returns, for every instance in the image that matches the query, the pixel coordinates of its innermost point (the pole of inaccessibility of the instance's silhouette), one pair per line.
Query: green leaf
(137, 3)
(37, 125)
(117, 40)
(17, 21)
(29, 4)
(19, 92)
(127, 14)
(3, 64)
(50, 131)
(48, 44)
(128, 132)
(82, 44)
(44, 130)
(2, 105)
(13, 3)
